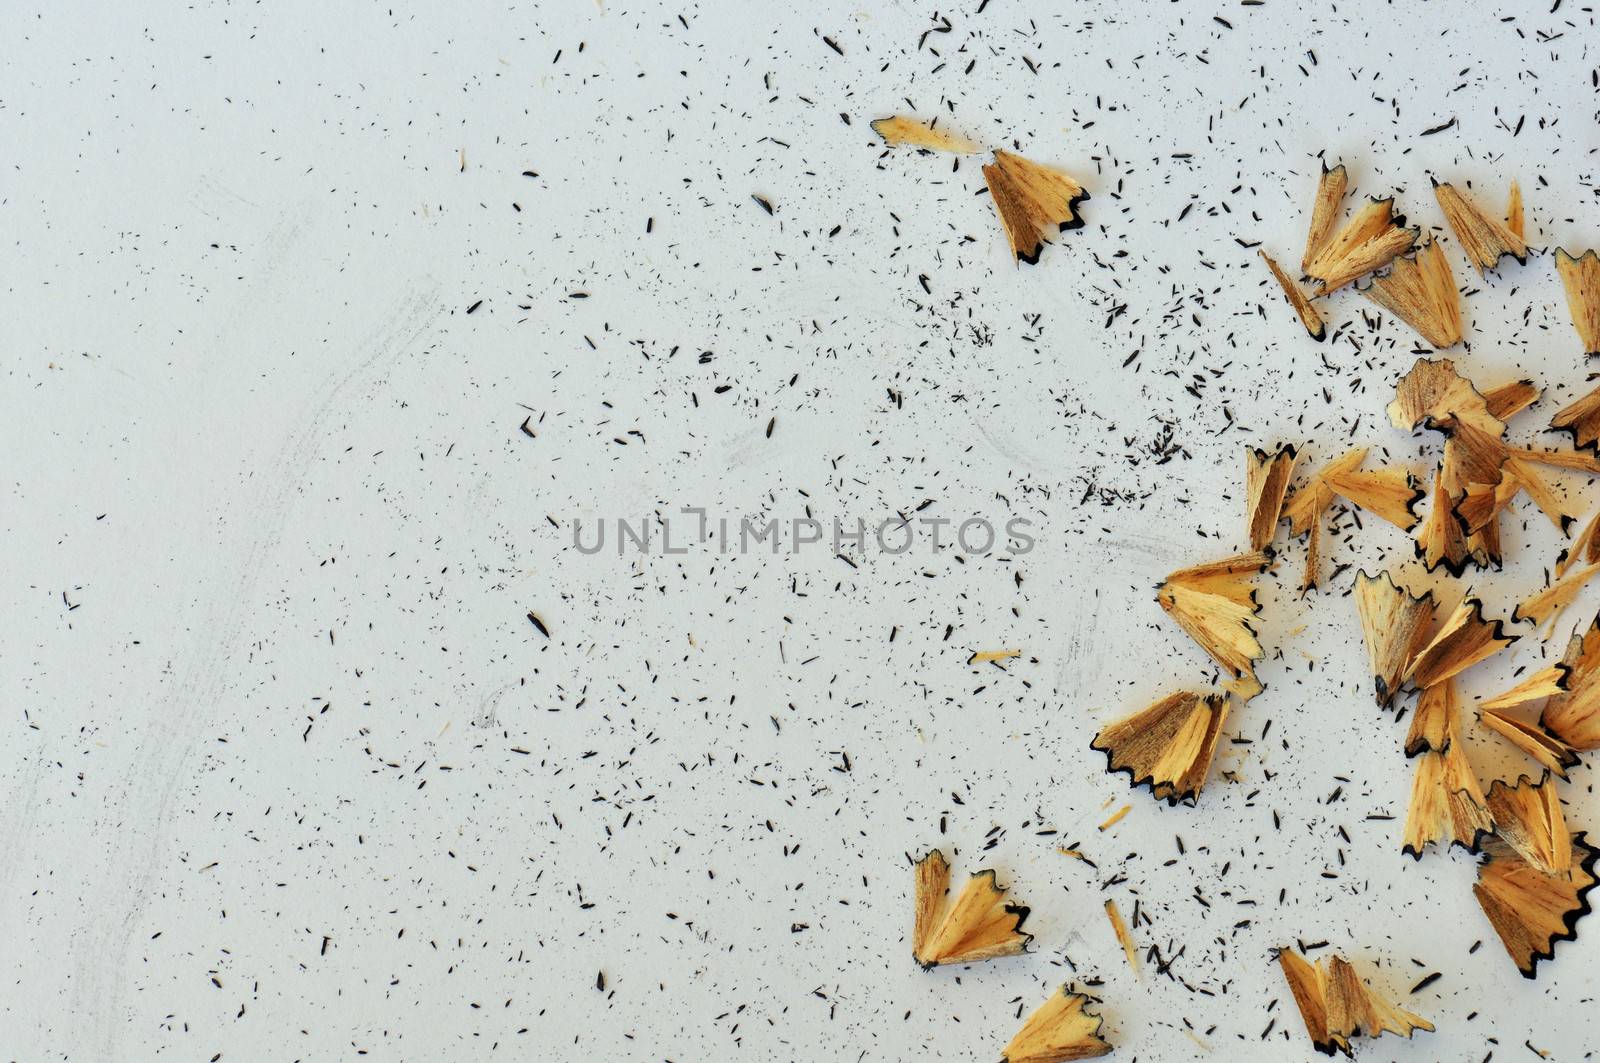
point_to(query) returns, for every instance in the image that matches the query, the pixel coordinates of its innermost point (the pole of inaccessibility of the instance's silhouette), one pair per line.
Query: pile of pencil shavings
(1534, 874)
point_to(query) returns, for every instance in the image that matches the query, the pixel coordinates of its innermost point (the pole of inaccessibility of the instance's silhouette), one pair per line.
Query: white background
(287, 774)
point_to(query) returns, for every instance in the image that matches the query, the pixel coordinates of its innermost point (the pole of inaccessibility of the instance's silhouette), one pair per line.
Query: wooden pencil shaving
(1581, 278)
(1528, 818)
(1372, 238)
(1585, 549)
(1545, 748)
(1581, 420)
(1119, 927)
(1421, 291)
(1305, 508)
(1168, 746)
(1298, 299)
(1337, 1006)
(1395, 625)
(1266, 480)
(1324, 211)
(982, 924)
(1391, 493)
(1062, 1029)
(1216, 604)
(1514, 214)
(1443, 539)
(1546, 682)
(1436, 722)
(1527, 479)
(1508, 400)
(1534, 881)
(1464, 639)
(1033, 202)
(1433, 395)
(1485, 239)
(1447, 805)
(1545, 608)
(1559, 459)
(901, 130)
(1573, 717)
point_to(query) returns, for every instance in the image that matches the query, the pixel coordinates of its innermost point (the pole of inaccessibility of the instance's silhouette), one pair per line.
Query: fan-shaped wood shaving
(1033, 201)
(1370, 240)
(1464, 639)
(1485, 239)
(1421, 291)
(1581, 278)
(1168, 745)
(1062, 1029)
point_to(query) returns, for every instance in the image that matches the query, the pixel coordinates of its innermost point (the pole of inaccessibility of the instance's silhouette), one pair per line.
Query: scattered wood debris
(1546, 607)
(1581, 420)
(1573, 717)
(1216, 604)
(1447, 804)
(1324, 211)
(1545, 748)
(982, 924)
(1395, 625)
(1463, 639)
